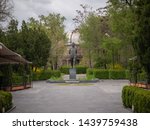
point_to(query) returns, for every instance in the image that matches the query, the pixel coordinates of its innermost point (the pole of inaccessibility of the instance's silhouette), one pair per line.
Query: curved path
(104, 96)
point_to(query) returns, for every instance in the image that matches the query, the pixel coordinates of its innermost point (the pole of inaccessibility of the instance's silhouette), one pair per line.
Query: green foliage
(6, 76)
(89, 71)
(53, 24)
(101, 74)
(137, 97)
(108, 74)
(17, 79)
(32, 43)
(64, 69)
(128, 93)
(80, 69)
(141, 76)
(117, 74)
(55, 73)
(45, 74)
(5, 100)
(142, 33)
(128, 75)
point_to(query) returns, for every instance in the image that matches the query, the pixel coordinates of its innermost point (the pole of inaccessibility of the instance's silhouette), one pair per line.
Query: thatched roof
(9, 57)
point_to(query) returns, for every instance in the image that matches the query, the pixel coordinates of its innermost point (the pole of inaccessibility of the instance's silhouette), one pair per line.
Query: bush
(89, 71)
(128, 75)
(17, 79)
(56, 73)
(5, 100)
(137, 97)
(128, 96)
(117, 74)
(64, 69)
(101, 74)
(43, 75)
(80, 69)
(46, 74)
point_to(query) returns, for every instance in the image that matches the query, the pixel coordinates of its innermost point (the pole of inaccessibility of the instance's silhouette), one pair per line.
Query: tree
(141, 38)
(36, 43)
(137, 23)
(5, 9)
(121, 25)
(92, 28)
(53, 25)
(12, 34)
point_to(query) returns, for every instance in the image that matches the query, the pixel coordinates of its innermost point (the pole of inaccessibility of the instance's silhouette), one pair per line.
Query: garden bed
(141, 85)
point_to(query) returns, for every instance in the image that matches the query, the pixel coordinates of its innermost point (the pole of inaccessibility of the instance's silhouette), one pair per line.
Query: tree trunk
(148, 74)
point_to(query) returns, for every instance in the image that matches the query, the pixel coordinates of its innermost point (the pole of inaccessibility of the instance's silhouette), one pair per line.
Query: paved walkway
(104, 96)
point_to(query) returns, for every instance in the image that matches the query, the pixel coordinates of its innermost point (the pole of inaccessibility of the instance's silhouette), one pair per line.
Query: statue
(73, 55)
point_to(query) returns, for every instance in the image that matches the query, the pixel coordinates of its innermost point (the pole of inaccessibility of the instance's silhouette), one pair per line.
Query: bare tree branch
(5, 9)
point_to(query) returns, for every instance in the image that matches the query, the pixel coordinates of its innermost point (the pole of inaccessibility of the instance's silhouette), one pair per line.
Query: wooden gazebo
(8, 57)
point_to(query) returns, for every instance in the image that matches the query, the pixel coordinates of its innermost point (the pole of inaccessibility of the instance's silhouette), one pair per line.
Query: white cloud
(24, 9)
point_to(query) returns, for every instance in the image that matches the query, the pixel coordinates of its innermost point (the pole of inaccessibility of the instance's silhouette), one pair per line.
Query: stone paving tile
(101, 97)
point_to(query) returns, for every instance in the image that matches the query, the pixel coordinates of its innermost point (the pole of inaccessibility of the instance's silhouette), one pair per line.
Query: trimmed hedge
(44, 75)
(90, 71)
(5, 101)
(108, 74)
(80, 69)
(137, 97)
(64, 69)
(101, 74)
(117, 74)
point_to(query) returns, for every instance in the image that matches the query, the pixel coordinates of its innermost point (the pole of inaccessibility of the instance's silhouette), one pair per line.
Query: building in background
(73, 37)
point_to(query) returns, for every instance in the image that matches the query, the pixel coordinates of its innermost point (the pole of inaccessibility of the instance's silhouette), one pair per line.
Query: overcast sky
(24, 9)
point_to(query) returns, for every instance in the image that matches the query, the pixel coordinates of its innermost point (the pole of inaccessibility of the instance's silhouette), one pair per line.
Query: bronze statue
(73, 55)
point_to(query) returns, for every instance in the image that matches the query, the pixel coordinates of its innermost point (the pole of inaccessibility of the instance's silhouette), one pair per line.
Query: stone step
(72, 81)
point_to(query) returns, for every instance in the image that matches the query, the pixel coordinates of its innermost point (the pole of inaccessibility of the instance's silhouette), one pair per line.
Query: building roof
(9, 57)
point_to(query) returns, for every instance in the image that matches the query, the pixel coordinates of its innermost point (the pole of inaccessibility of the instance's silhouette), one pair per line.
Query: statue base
(72, 73)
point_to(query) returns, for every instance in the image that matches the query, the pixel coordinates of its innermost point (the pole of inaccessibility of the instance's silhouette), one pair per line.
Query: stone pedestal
(72, 74)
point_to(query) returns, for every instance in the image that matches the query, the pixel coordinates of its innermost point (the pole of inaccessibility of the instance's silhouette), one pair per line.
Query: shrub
(128, 75)
(5, 100)
(101, 74)
(64, 69)
(128, 96)
(81, 69)
(35, 76)
(46, 74)
(17, 79)
(117, 74)
(89, 71)
(137, 97)
(55, 73)
(43, 75)
(141, 76)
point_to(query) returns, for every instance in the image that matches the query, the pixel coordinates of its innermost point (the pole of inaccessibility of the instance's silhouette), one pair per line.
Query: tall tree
(5, 9)
(92, 28)
(141, 41)
(53, 24)
(121, 24)
(36, 43)
(13, 41)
